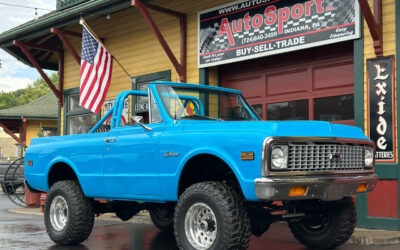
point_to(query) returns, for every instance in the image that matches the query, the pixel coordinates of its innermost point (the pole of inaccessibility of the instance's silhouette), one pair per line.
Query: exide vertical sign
(248, 29)
(382, 108)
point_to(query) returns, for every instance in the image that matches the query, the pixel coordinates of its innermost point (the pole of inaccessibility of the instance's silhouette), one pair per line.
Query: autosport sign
(249, 29)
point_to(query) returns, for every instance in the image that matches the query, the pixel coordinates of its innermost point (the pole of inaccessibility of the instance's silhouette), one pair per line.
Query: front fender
(170, 185)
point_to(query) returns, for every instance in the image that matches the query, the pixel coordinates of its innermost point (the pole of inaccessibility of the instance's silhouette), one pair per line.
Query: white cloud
(14, 74)
(10, 83)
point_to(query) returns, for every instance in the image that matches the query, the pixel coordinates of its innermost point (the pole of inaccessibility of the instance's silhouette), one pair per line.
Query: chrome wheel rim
(58, 213)
(201, 226)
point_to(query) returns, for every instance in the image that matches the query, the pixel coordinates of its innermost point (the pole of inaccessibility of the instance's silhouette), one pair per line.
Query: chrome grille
(317, 157)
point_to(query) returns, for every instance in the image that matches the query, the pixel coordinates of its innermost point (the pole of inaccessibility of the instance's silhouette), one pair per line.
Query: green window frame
(68, 114)
(147, 78)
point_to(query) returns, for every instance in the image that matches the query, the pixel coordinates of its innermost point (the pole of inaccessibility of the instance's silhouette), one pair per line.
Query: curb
(370, 237)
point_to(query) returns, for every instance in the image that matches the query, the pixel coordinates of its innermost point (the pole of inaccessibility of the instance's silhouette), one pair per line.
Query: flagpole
(83, 23)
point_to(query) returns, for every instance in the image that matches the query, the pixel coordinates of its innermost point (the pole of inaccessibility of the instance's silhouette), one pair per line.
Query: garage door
(313, 84)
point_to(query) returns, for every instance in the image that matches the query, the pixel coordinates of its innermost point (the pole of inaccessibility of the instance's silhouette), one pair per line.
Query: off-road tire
(341, 221)
(163, 217)
(80, 218)
(233, 224)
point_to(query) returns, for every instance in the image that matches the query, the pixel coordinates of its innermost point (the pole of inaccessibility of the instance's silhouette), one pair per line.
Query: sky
(14, 74)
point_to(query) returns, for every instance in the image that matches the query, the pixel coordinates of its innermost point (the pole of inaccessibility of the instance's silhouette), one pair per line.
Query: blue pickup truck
(205, 166)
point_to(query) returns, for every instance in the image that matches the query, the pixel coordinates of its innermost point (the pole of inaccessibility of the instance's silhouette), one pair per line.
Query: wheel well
(61, 172)
(207, 167)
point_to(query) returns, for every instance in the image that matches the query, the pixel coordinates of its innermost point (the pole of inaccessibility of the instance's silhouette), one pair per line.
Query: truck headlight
(369, 157)
(279, 156)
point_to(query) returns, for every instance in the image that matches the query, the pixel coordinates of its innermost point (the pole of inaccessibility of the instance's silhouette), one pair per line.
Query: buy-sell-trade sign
(382, 107)
(249, 29)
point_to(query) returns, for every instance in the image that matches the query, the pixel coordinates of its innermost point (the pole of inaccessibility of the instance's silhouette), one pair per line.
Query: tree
(8, 100)
(23, 96)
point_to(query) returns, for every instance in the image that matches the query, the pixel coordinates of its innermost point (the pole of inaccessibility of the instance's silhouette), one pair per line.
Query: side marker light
(247, 156)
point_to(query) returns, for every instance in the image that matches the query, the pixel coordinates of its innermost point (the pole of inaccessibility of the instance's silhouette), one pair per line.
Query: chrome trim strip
(265, 170)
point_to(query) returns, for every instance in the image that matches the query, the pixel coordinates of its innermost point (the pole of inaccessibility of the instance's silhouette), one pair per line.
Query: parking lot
(20, 231)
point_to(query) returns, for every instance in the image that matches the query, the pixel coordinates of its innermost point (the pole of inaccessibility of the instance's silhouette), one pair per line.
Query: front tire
(68, 214)
(211, 215)
(330, 229)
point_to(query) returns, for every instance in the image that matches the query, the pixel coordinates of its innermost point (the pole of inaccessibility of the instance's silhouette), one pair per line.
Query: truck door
(131, 160)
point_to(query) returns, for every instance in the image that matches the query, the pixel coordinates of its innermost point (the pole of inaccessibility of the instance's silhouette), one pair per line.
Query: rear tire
(68, 214)
(329, 230)
(163, 217)
(211, 215)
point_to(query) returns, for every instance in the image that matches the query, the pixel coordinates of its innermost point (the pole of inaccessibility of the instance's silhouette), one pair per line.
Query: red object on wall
(383, 201)
(32, 199)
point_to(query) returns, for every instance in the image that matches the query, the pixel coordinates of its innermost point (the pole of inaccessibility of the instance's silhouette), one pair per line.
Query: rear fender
(65, 161)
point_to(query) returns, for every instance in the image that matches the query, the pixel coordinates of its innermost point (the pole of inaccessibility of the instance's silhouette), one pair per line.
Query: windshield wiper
(199, 117)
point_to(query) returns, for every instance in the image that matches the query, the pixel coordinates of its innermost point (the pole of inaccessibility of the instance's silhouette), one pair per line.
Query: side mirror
(135, 119)
(138, 119)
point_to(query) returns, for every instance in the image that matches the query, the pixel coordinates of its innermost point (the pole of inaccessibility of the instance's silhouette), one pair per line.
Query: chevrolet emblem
(335, 157)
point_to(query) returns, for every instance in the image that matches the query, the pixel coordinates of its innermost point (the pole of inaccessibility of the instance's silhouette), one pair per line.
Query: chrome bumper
(319, 187)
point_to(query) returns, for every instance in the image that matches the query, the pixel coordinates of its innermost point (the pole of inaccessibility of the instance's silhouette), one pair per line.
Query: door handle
(108, 140)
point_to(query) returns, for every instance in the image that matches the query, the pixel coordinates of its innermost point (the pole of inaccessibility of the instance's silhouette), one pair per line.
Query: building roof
(38, 31)
(44, 108)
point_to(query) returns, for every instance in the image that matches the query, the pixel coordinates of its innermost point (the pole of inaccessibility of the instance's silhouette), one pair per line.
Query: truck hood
(277, 128)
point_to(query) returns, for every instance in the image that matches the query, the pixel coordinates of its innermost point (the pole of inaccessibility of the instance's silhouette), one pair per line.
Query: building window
(48, 131)
(77, 120)
(334, 108)
(140, 103)
(141, 82)
(292, 110)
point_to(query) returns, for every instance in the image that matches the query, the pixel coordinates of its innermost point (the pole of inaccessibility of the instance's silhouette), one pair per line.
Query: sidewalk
(360, 236)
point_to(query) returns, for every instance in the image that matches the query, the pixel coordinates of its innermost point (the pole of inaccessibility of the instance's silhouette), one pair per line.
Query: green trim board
(59, 121)
(204, 76)
(204, 79)
(387, 171)
(166, 74)
(379, 223)
(67, 93)
(358, 50)
(397, 82)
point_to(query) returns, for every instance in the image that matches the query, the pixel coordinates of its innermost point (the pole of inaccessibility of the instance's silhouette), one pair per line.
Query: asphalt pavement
(24, 231)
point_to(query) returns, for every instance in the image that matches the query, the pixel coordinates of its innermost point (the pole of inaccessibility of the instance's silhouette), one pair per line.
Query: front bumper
(318, 187)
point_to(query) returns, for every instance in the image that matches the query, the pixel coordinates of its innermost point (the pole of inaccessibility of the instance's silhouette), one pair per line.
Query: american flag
(96, 69)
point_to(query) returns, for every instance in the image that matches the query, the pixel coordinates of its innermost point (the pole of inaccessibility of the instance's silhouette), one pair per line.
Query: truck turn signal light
(298, 191)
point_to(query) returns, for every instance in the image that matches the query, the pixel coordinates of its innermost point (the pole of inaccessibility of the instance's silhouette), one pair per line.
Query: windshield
(185, 103)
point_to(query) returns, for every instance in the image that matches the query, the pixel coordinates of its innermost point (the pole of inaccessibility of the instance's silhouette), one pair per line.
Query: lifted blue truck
(205, 166)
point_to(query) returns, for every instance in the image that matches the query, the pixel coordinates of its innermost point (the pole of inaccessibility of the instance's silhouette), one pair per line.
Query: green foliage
(23, 96)
(8, 100)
